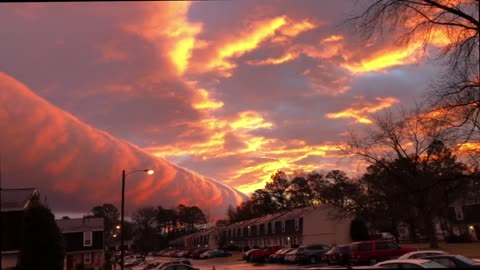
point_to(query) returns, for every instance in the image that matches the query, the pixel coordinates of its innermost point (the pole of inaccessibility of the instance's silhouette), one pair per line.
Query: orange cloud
(203, 101)
(168, 21)
(293, 29)
(471, 146)
(332, 38)
(68, 158)
(246, 42)
(360, 114)
(274, 61)
(386, 59)
(112, 53)
(329, 47)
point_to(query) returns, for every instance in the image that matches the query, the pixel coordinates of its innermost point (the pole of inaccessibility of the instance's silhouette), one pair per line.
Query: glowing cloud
(78, 166)
(295, 28)
(247, 41)
(360, 113)
(386, 59)
(168, 21)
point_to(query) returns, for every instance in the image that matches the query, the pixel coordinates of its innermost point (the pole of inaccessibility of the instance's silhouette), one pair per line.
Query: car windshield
(464, 259)
(431, 264)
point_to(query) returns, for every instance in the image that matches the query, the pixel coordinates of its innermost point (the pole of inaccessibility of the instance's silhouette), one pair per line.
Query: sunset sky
(229, 90)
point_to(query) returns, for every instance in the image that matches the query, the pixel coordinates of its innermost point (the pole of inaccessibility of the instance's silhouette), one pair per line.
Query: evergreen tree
(42, 245)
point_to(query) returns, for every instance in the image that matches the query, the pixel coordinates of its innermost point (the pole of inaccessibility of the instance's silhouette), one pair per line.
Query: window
(273, 227)
(266, 228)
(365, 247)
(297, 225)
(283, 225)
(87, 258)
(458, 212)
(445, 262)
(87, 239)
(386, 245)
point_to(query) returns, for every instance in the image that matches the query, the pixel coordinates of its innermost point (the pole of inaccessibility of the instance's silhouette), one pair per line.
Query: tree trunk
(430, 229)
(413, 231)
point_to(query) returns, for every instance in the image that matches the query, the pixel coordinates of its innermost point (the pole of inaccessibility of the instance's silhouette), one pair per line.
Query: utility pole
(1, 215)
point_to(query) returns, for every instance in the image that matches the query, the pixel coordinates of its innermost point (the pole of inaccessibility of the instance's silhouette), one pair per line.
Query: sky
(214, 96)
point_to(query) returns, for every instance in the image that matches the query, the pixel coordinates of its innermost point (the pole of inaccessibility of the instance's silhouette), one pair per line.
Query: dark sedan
(338, 255)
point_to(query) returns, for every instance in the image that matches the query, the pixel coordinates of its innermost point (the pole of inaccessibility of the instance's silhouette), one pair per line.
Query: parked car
(178, 267)
(409, 263)
(246, 254)
(421, 254)
(338, 255)
(221, 253)
(141, 266)
(157, 265)
(133, 262)
(291, 256)
(372, 252)
(279, 255)
(189, 253)
(262, 254)
(311, 253)
(454, 261)
(196, 254)
(207, 254)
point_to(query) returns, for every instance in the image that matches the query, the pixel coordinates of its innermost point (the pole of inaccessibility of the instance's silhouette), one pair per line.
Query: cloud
(65, 158)
(361, 111)
(168, 21)
(247, 41)
(232, 89)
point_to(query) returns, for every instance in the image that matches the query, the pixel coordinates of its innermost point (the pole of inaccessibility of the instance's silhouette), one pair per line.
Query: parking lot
(240, 264)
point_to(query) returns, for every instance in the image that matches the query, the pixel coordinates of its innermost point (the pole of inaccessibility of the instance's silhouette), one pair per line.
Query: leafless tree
(411, 152)
(457, 92)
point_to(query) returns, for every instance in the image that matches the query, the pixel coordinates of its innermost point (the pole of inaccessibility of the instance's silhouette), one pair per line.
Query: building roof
(16, 199)
(80, 224)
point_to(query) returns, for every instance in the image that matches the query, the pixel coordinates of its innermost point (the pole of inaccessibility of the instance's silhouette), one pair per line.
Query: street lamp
(122, 248)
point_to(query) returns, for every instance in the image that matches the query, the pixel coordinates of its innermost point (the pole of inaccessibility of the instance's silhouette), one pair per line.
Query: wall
(9, 260)
(77, 259)
(321, 227)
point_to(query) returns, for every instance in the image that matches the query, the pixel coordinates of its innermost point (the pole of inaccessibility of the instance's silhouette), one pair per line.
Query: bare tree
(458, 90)
(411, 162)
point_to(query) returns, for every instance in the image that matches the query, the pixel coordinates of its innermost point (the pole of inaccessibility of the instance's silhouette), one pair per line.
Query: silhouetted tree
(299, 192)
(145, 220)
(359, 230)
(42, 245)
(277, 187)
(262, 203)
(452, 27)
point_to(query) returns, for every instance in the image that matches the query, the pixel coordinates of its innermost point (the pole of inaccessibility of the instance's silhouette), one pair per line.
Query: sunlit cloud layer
(230, 90)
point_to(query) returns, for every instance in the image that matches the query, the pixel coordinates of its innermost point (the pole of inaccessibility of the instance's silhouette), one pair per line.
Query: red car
(262, 254)
(372, 252)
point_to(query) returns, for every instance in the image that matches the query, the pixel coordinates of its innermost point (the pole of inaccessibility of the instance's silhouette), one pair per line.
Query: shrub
(359, 230)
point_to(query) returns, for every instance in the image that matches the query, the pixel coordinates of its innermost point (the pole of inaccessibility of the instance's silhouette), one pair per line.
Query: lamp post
(122, 248)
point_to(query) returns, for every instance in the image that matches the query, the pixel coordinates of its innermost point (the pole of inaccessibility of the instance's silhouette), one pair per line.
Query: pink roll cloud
(76, 166)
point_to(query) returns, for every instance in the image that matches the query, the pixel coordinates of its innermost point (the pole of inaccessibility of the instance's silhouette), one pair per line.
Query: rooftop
(80, 224)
